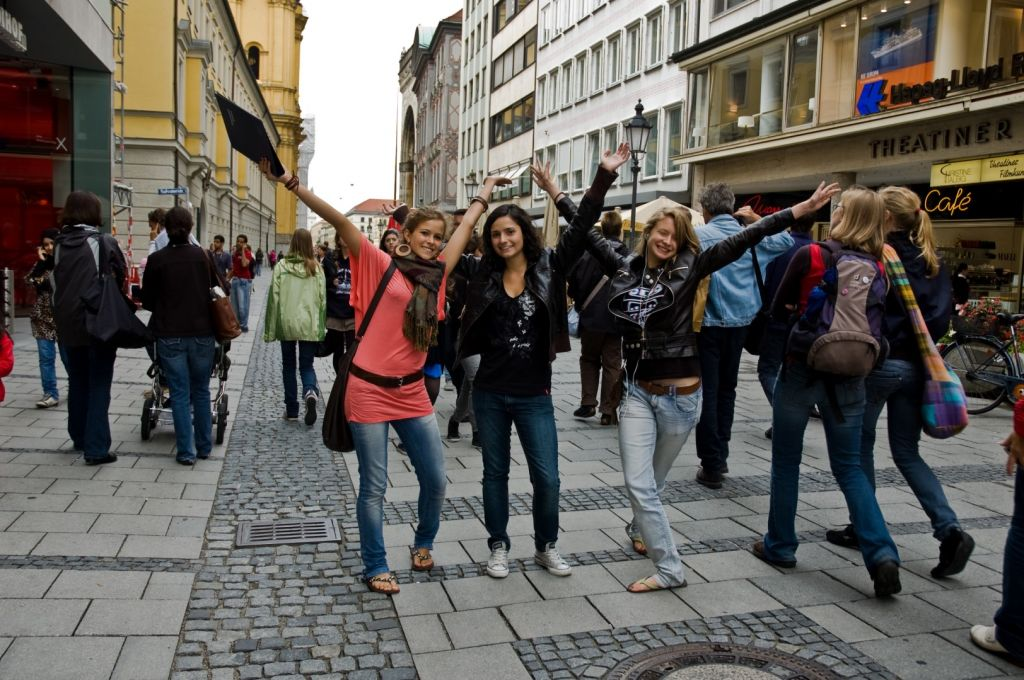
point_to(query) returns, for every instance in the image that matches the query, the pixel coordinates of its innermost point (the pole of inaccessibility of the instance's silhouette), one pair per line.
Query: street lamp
(637, 131)
(471, 184)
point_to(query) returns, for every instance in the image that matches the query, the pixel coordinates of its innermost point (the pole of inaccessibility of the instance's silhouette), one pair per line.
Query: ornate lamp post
(637, 131)
(471, 184)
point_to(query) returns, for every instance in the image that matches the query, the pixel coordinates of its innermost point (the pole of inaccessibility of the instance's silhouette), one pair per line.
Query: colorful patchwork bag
(943, 403)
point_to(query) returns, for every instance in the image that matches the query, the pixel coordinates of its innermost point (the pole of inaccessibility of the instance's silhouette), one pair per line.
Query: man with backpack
(836, 291)
(732, 303)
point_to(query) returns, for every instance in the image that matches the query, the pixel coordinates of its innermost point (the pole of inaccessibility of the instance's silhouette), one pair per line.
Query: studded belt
(384, 380)
(667, 390)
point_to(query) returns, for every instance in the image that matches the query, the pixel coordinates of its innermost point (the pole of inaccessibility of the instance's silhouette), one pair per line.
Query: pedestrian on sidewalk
(296, 317)
(90, 364)
(898, 383)
(515, 319)
(858, 226)
(43, 328)
(1006, 637)
(385, 385)
(258, 266)
(6, 355)
(390, 239)
(732, 303)
(176, 289)
(241, 280)
(221, 257)
(600, 344)
(341, 318)
(463, 370)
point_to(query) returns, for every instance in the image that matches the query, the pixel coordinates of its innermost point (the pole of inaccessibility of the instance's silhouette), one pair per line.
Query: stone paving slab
(100, 585)
(133, 617)
(496, 662)
(476, 627)
(61, 658)
(924, 657)
(553, 617)
(40, 617)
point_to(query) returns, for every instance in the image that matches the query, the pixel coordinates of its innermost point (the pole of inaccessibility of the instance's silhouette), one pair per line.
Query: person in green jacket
(296, 314)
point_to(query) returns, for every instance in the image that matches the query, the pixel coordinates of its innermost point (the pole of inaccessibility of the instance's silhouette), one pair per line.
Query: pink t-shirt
(384, 350)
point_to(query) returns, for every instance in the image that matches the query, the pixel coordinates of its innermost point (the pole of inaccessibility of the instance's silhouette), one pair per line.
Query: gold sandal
(649, 585)
(421, 559)
(385, 584)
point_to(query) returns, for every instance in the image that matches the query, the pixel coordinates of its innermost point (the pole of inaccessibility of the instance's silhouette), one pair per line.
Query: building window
(541, 92)
(553, 92)
(596, 68)
(578, 160)
(538, 193)
(581, 76)
(651, 157)
(674, 147)
(803, 70)
(1006, 36)
(747, 100)
(513, 121)
(698, 121)
(253, 58)
(722, 6)
(594, 150)
(505, 10)
(838, 67)
(566, 84)
(545, 25)
(676, 26)
(611, 141)
(513, 60)
(562, 164)
(633, 49)
(654, 38)
(614, 59)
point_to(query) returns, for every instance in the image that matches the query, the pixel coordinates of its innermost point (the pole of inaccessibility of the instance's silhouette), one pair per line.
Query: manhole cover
(705, 661)
(287, 531)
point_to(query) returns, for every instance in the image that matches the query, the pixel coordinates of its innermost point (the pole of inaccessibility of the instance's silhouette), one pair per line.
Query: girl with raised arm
(385, 387)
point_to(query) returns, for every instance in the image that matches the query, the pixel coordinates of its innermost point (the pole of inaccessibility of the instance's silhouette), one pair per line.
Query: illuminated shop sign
(978, 170)
(11, 32)
(972, 201)
(941, 139)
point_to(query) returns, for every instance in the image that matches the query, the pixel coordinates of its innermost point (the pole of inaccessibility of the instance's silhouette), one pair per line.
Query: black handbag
(109, 315)
(336, 432)
(756, 329)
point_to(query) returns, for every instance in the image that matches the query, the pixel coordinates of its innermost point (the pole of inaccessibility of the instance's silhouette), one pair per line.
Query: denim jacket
(733, 298)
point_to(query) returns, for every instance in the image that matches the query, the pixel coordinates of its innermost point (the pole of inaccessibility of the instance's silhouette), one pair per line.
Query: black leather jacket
(668, 331)
(545, 278)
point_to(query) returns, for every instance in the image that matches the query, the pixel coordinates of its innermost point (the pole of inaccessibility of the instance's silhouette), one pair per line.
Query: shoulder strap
(593, 293)
(376, 299)
(757, 272)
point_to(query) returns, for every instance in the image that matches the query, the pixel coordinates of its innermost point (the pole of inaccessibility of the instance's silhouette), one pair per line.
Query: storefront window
(803, 69)
(1006, 36)
(838, 66)
(747, 99)
(698, 119)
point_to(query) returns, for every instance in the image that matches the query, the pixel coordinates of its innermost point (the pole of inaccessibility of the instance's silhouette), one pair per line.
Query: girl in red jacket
(6, 356)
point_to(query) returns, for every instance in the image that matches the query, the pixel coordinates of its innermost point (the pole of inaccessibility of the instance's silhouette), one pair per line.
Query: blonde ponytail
(907, 215)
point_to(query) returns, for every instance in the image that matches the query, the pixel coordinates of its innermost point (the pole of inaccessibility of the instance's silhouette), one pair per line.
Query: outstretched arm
(542, 177)
(457, 243)
(350, 234)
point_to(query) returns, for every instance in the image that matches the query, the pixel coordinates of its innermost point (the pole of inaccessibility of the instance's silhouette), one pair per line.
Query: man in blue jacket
(733, 301)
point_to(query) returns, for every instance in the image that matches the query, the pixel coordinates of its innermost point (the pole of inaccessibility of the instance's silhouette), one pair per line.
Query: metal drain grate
(287, 531)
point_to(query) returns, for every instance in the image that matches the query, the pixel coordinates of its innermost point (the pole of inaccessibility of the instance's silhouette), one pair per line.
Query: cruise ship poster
(897, 45)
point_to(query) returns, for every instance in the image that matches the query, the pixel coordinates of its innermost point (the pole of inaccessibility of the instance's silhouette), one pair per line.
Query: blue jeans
(90, 373)
(1010, 617)
(48, 366)
(897, 384)
(796, 391)
(534, 418)
(187, 364)
(422, 444)
(769, 361)
(241, 290)
(307, 350)
(720, 349)
(257, 268)
(652, 431)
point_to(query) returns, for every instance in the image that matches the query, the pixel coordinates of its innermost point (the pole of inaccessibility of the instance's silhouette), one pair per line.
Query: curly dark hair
(532, 246)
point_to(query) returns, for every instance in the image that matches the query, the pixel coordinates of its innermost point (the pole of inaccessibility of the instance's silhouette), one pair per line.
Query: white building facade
(306, 150)
(596, 59)
(474, 116)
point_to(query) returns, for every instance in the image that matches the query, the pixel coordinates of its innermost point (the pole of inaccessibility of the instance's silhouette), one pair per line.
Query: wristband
(481, 200)
(292, 184)
(558, 195)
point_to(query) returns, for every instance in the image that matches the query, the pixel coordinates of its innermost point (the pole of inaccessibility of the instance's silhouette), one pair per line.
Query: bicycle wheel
(982, 367)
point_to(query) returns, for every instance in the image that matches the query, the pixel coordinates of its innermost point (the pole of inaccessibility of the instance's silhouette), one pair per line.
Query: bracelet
(481, 200)
(558, 195)
(292, 184)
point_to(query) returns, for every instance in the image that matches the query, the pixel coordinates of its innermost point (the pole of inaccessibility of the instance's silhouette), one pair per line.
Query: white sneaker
(985, 637)
(497, 564)
(311, 400)
(551, 560)
(47, 402)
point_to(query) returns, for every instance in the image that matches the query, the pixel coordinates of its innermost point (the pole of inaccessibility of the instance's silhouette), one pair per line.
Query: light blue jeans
(48, 366)
(422, 443)
(652, 431)
(241, 290)
(187, 364)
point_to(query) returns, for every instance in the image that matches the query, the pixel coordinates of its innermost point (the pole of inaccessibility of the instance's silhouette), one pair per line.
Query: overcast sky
(349, 82)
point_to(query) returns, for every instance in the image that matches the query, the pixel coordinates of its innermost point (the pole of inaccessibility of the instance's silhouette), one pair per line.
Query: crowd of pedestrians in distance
(662, 331)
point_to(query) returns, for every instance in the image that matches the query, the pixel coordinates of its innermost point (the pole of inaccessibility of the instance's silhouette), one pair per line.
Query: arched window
(253, 55)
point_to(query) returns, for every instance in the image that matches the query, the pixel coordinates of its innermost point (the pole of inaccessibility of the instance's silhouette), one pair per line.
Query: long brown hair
(905, 208)
(686, 235)
(302, 246)
(861, 227)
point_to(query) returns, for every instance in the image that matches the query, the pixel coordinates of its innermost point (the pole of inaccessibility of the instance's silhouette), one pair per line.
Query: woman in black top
(341, 318)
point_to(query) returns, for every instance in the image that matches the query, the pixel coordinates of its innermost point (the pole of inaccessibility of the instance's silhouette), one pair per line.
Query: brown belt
(384, 380)
(665, 390)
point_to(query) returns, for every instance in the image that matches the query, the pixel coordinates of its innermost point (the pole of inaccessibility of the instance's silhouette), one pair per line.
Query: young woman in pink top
(385, 385)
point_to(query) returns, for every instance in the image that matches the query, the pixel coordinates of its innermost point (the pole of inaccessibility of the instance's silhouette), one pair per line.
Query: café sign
(979, 170)
(971, 201)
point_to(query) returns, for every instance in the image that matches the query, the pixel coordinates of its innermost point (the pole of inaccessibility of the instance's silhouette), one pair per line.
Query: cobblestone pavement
(302, 610)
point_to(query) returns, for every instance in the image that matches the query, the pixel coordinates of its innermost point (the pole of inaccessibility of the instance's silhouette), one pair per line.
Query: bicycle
(989, 368)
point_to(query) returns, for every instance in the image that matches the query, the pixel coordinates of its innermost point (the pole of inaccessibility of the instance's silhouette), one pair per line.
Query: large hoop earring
(403, 250)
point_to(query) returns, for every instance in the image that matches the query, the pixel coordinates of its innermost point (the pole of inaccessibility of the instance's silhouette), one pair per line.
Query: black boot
(453, 430)
(844, 538)
(954, 551)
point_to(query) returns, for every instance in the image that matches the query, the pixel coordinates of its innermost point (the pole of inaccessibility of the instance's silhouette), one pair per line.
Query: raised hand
(746, 215)
(496, 181)
(265, 169)
(390, 208)
(822, 195)
(542, 177)
(613, 160)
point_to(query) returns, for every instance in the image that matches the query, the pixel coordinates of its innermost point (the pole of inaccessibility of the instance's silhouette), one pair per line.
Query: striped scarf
(944, 405)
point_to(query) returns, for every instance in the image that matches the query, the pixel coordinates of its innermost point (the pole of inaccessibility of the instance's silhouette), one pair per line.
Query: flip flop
(649, 585)
(386, 584)
(421, 559)
(639, 546)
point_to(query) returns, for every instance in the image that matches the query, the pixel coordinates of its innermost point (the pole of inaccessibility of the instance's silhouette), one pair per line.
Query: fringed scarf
(420, 324)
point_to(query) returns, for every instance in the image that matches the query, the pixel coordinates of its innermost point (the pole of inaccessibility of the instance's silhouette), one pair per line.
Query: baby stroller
(156, 408)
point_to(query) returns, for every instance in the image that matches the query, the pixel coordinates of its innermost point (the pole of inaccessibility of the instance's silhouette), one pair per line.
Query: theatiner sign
(873, 98)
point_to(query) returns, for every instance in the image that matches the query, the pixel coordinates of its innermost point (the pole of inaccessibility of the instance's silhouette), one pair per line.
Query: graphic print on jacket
(515, 360)
(639, 302)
